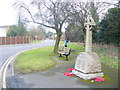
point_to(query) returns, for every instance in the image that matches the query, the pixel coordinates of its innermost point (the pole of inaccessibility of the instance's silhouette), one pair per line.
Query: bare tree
(54, 14)
(49, 14)
(37, 31)
(80, 10)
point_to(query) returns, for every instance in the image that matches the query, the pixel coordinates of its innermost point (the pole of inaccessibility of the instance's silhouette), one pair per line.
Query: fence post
(28, 39)
(23, 40)
(5, 40)
(19, 40)
(10, 40)
(15, 40)
(0, 41)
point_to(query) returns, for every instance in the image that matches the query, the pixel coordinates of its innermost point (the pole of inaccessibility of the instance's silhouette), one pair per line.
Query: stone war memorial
(88, 65)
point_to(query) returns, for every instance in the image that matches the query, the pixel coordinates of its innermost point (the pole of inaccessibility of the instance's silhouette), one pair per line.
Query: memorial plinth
(88, 65)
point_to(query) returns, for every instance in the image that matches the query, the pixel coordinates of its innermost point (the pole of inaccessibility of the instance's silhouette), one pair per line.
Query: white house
(4, 30)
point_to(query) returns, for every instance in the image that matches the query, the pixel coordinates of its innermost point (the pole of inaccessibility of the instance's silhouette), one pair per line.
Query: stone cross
(88, 65)
(90, 22)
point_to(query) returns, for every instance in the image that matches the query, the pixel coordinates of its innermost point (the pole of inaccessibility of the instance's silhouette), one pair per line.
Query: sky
(8, 13)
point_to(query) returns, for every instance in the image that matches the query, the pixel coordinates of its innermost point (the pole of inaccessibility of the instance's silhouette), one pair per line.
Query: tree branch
(33, 20)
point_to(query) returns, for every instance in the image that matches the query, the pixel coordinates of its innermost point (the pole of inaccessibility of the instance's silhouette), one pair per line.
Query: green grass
(41, 59)
(73, 46)
(108, 55)
(34, 60)
(62, 42)
(111, 61)
(76, 49)
(36, 41)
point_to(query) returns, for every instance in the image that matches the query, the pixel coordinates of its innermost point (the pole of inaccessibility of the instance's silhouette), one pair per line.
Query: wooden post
(10, 40)
(23, 40)
(15, 40)
(29, 40)
(5, 40)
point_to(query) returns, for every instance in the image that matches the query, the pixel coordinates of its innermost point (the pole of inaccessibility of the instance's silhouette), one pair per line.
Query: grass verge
(36, 41)
(34, 60)
(108, 55)
(41, 59)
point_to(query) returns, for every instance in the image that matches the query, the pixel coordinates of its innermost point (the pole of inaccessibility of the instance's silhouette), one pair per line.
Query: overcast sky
(8, 13)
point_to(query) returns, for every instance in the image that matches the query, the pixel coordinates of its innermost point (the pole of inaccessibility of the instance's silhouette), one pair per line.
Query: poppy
(68, 74)
(70, 69)
(99, 79)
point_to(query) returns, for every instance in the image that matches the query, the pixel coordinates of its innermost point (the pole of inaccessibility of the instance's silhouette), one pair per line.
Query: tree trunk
(57, 43)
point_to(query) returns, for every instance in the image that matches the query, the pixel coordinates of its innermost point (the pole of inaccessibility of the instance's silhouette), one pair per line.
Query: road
(7, 51)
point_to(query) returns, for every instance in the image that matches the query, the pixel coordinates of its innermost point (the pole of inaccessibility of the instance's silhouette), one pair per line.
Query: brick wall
(14, 40)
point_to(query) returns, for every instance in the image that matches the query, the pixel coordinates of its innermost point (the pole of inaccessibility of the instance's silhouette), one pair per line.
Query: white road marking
(5, 66)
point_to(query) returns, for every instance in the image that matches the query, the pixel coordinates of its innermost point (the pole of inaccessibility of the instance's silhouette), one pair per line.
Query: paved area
(54, 78)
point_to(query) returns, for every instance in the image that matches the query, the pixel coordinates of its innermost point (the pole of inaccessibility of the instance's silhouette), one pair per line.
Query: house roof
(4, 26)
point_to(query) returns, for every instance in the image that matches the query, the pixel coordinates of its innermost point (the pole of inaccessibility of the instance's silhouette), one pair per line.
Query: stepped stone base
(88, 65)
(87, 76)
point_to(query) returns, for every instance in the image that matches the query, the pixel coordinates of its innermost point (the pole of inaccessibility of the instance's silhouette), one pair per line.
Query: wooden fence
(14, 40)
